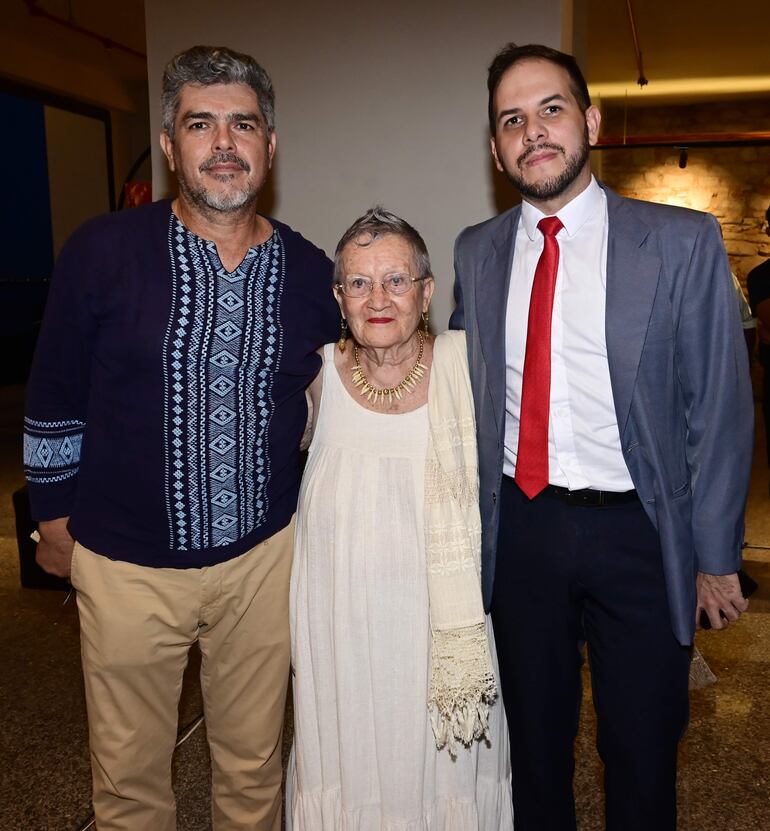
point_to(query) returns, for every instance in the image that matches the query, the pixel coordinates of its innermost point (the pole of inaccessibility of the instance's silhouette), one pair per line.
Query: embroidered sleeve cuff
(51, 464)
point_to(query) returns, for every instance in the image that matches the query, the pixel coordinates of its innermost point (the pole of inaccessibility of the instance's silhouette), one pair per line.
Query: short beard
(556, 185)
(206, 201)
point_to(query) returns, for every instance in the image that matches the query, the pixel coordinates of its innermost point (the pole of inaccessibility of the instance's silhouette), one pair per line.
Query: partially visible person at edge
(748, 320)
(164, 414)
(614, 421)
(396, 723)
(758, 285)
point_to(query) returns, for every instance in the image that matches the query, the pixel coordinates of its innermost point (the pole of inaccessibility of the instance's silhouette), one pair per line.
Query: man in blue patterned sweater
(164, 413)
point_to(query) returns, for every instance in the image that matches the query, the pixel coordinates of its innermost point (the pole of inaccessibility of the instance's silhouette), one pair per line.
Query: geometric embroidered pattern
(52, 449)
(221, 349)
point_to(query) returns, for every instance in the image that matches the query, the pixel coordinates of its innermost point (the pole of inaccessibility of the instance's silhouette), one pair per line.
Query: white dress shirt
(583, 439)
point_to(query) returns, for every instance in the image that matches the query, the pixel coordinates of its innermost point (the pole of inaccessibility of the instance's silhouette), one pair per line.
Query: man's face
(542, 138)
(221, 152)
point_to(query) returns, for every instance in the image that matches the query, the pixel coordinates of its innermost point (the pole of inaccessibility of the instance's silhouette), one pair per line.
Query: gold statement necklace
(379, 395)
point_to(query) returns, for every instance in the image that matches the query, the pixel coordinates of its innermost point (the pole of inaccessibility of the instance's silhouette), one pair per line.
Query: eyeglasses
(396, 284)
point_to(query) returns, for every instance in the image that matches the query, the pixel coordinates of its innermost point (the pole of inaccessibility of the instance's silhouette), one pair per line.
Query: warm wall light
(682, 156)
(699, 87)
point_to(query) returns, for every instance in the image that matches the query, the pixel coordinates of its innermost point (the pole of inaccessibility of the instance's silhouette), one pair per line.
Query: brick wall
(733, 183)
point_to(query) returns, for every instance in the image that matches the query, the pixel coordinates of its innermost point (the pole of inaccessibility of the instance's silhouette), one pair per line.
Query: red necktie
(532, 459)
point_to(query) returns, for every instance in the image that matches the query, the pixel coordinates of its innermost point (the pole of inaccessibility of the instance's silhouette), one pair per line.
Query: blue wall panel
(25, 207)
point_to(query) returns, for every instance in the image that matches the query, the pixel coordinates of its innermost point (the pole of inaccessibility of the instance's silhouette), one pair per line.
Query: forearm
(713, 368)
(57, 394)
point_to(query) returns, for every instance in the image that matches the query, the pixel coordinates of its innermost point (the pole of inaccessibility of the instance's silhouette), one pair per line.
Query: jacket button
(494, 498)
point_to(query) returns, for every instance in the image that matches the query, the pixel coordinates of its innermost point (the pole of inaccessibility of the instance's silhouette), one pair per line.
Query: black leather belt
(588, 497)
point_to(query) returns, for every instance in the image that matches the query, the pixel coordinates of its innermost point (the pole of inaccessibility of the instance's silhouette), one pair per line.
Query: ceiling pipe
(107, 43)
(641, 80)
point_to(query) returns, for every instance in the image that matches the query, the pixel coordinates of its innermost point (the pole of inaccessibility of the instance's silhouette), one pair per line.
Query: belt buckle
(585, 498)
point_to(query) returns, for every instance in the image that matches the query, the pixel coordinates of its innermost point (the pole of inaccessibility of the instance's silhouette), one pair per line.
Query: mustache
(225, 158)
(538, 148)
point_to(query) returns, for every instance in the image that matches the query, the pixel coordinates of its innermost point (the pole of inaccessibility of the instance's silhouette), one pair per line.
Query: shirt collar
(573, 215)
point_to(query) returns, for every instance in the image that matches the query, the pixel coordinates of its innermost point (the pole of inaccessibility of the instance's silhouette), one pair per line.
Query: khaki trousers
(137, 626)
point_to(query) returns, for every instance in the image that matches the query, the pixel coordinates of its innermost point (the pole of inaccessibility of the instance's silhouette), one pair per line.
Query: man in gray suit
(614, 421)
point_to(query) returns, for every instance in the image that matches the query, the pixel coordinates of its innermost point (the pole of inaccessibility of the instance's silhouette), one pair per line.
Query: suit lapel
(632, 281)
(491, 287)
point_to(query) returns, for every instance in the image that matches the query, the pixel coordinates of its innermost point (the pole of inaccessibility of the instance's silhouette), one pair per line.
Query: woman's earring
(426, 321)
(342, 342)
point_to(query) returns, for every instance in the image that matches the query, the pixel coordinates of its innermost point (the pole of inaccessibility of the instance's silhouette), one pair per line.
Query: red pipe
(688, 139)
(108, 43)
(641, 80)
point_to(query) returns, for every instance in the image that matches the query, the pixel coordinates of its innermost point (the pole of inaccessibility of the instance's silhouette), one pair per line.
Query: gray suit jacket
(679, 374)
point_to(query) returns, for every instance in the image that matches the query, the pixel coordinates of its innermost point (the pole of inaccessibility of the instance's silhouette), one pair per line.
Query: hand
(719, 593)
(54, 551)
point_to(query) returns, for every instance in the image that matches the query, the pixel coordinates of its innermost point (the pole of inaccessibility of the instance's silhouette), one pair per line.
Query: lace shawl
(463, 685)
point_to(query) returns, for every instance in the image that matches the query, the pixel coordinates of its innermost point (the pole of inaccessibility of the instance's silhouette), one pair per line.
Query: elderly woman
(396, 725)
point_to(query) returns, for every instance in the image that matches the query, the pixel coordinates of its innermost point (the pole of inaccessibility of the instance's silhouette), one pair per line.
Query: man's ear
(493, 148)
(593, 121)
(167, 146)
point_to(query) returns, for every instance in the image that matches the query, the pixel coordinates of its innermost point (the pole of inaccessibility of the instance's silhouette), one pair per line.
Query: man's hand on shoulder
(720, 596)
(54, 551)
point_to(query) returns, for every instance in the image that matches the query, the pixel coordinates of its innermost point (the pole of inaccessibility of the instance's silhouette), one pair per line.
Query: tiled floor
(725, 758)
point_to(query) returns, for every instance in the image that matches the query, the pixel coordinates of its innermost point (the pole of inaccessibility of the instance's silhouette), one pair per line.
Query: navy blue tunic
(166, 399)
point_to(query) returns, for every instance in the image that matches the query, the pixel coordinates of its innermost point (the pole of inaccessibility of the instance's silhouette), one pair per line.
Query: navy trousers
(567, 574)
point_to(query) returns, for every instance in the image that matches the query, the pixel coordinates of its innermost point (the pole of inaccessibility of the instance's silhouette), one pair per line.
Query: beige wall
(375, 103)
(77, 194)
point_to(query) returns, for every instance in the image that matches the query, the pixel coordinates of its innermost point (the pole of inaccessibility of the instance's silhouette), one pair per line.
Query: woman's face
(381, 320)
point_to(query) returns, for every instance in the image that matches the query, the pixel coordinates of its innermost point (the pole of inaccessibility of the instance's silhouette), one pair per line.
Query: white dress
(364, 755)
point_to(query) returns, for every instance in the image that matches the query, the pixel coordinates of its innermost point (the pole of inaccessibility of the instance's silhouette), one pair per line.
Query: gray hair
(208, 65)
(375, 224)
